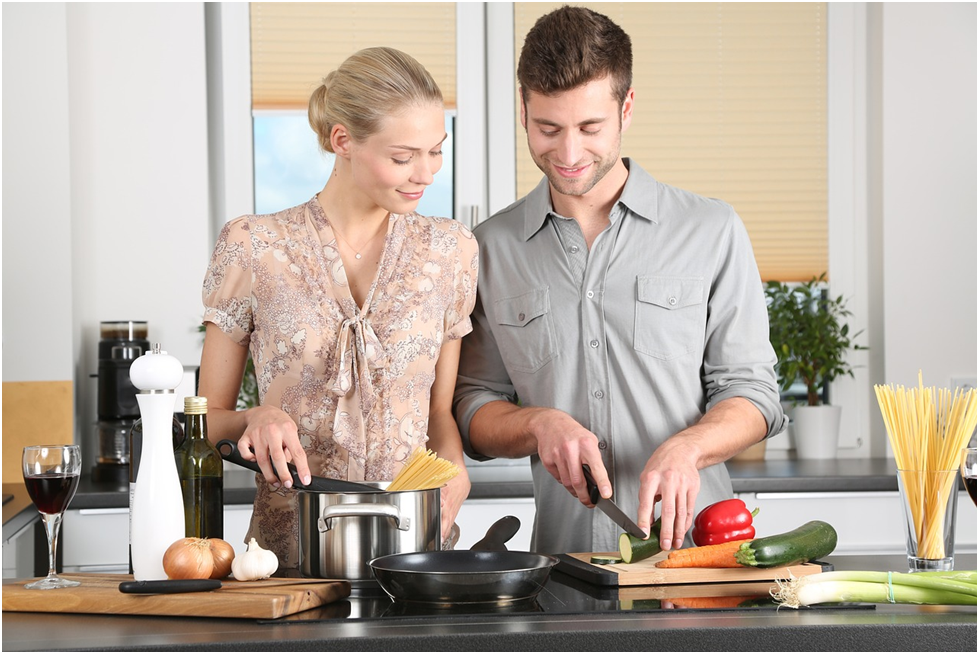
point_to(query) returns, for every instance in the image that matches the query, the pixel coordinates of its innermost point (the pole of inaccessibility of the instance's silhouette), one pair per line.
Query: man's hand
(563, 446)
(671, 477)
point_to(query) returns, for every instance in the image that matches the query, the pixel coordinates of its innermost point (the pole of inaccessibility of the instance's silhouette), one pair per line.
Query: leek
(878, 587)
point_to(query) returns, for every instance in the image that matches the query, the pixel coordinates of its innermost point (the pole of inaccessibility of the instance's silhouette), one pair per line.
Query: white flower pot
(816, 430)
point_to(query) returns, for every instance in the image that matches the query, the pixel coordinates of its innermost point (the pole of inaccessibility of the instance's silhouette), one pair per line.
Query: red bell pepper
(723, 521)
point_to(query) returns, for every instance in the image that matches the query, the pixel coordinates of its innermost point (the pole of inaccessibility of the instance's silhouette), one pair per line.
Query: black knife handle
(229, 451)
(592, 486)
(166, 586)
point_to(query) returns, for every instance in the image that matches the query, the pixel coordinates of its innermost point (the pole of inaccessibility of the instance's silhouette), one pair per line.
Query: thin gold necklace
(357, 254)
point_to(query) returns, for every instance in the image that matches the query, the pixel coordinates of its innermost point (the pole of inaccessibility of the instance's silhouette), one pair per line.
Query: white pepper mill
(157, 509)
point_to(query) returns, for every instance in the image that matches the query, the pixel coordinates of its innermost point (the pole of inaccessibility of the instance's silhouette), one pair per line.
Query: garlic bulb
(254, 563)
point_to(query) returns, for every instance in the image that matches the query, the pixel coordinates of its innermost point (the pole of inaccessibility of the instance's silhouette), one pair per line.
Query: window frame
(485, 167)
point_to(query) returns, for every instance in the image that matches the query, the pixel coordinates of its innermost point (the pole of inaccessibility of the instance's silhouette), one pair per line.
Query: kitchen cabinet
(867, 522)
(97, 540)
(18, 553)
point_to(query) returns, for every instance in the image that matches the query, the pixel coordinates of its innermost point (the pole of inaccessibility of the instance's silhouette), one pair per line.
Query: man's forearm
(728, 428)
(504, 430)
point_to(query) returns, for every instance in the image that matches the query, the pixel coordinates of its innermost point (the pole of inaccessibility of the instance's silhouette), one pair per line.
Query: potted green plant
(812, 339)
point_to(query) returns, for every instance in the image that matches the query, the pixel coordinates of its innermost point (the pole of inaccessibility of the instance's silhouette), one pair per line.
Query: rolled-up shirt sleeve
(482, 377)
(738, 356)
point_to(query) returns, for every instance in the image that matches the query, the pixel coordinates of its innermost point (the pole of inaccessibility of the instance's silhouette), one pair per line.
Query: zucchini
(635, 549)
(812, 540)
(605, 560)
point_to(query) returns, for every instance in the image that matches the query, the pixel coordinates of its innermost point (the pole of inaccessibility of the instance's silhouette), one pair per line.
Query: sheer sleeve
(227, 291)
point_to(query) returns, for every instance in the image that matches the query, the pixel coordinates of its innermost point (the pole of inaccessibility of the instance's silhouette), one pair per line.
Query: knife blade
(167, 586)
(609, 508)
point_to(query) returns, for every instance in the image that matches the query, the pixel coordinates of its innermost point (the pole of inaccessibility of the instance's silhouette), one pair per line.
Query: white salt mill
(157, 518)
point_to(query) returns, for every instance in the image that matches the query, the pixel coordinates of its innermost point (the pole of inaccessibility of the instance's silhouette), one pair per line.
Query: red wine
(970, 485)
(51, 492)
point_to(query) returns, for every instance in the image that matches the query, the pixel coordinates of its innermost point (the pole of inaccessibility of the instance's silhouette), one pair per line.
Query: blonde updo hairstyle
(369, 86)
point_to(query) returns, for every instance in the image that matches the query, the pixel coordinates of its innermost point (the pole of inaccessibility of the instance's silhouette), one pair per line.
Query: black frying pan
(486, 573)
(229, 451)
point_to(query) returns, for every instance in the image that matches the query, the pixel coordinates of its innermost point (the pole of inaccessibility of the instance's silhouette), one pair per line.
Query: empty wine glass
(51, 476)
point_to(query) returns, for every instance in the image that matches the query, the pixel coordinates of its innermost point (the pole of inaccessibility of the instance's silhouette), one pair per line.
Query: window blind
(730, 104)
(295, 44)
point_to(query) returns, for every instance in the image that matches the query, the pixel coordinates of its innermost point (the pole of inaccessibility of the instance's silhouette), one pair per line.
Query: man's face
(575, 137)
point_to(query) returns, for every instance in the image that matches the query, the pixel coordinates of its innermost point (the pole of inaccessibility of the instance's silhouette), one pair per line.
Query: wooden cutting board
(99, 593)
(645, 572)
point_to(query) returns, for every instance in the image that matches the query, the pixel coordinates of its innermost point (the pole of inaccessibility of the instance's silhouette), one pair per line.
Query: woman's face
(393, 166)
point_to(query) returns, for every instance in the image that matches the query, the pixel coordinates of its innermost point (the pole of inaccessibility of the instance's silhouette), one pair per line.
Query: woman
(352, 305)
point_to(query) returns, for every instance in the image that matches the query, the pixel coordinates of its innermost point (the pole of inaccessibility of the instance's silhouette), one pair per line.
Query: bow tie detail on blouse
(358, 353)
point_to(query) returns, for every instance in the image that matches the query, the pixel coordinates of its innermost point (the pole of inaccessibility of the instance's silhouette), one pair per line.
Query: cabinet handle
(839, 495)
(112, 511)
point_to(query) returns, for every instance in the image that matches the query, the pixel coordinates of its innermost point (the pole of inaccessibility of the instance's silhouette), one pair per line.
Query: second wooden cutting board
(98, 593)
(645, 572)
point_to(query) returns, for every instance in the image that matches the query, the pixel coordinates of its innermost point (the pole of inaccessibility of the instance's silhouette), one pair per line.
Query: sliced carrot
(705, 556)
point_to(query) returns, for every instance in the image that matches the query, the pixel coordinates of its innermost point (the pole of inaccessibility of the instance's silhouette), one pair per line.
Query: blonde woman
(352, 305)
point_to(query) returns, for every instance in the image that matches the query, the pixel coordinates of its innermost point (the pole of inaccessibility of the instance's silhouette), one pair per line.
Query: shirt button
(673, 301)
(574, 249)
(594, 343)
(602, 445)
(590, 294)
(599, 394)
(520, 317)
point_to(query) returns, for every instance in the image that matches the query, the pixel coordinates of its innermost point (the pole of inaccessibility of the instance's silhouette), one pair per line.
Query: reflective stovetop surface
(562, 594)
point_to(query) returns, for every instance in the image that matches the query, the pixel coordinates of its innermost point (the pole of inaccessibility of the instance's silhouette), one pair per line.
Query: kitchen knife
(609, 508)
(167, 586)
(229, 451)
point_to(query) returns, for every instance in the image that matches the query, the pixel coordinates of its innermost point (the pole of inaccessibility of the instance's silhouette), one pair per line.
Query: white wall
(37, 229)
(119, 162)
(929, 191)
(105, 183)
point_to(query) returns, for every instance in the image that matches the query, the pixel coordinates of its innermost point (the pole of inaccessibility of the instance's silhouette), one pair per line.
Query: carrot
(720, 555)
(726, 602)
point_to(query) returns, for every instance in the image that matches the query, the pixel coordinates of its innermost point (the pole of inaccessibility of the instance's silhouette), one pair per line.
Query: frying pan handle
(362, 511)
(498, 534)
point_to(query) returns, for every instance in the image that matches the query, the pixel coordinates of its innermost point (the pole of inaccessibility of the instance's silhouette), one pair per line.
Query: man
(620, 322)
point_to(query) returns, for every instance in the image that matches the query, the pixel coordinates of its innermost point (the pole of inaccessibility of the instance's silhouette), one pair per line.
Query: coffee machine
(122, 342)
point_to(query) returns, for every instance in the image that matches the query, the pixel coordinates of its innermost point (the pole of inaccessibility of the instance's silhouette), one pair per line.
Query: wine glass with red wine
(969, 469)
(51, 476)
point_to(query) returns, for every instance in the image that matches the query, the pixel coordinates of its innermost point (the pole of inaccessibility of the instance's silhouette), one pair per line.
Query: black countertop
(568, 615)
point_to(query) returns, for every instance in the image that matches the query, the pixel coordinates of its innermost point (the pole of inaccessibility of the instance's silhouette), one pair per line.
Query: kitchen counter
(568, 615)
(514, 481)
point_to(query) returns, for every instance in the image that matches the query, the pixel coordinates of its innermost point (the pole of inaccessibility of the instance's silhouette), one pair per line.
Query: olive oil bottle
(201, 470)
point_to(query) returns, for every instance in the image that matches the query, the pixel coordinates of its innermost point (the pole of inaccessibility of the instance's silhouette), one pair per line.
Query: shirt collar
(639, 196)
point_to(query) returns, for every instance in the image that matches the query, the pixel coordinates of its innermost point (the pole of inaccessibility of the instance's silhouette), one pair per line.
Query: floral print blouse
(356, 381)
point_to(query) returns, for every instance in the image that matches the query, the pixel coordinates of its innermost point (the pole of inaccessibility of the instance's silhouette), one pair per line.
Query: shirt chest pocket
(670, 316)
(524, 333)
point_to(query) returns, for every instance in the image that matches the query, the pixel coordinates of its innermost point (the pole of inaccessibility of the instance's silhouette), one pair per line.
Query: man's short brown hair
(572, 46)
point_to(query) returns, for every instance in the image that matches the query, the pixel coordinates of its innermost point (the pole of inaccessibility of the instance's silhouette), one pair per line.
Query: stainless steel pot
(340, 533)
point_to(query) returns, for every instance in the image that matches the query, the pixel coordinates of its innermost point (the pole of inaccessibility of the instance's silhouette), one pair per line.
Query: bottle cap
(195, 405)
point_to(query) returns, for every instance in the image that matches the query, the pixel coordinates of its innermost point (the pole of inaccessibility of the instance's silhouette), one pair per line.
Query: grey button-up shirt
(636, 338)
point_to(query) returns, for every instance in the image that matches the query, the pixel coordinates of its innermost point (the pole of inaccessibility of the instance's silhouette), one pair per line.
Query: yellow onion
(223, 554)
(188, 558)
(198, 558)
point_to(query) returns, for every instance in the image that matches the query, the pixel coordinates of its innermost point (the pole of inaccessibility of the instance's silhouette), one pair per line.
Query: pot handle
(362, 511)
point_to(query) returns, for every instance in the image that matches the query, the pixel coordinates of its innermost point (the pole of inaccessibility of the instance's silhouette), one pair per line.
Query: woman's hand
(453, 494)
(272, 440)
